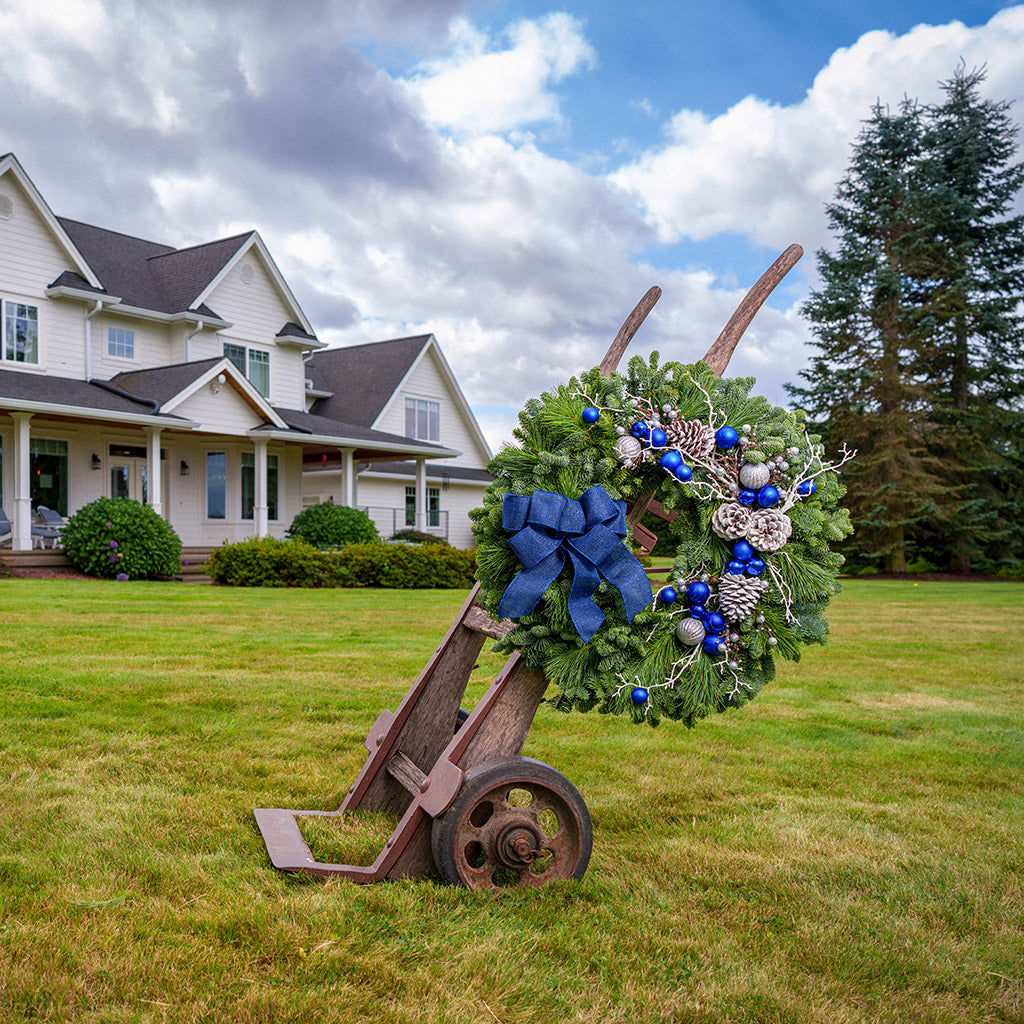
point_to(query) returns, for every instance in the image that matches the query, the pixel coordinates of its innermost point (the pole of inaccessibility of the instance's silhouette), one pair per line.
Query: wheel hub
(518, 845)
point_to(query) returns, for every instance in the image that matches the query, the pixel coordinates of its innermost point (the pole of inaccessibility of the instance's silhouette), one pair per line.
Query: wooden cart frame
(480, 814)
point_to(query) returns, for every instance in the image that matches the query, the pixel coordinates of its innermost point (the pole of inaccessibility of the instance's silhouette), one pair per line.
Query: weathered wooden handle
(629, 327)
(717, 357)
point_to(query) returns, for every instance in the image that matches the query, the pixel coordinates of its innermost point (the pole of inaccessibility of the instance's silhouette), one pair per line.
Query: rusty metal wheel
(515, 823)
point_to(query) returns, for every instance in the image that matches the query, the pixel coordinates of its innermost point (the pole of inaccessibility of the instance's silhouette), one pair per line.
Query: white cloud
(478, 89)
(765, 171)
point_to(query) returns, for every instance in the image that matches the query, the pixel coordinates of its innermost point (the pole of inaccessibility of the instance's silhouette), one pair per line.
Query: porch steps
(51, 561)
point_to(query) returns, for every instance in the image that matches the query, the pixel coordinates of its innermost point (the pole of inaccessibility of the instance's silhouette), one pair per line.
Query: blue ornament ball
(698, 611)
(640, 430)
(670, 460)
(735, 567)
(683, 472)
(742, 550)
(639, 695)
(807, 487)
(658, 438)
(746, 497)
(711, 644)
(591, 414)
(755, 566)
(668, 595)
(768, 497)
(698, 592)
(726, 437)
(714, 622)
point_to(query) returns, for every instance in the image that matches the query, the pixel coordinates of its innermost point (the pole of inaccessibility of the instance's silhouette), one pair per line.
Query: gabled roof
(362, 378)
(149, 275)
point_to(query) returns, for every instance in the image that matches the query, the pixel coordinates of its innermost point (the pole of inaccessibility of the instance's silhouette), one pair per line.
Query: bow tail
(584, 611)
(528, 586)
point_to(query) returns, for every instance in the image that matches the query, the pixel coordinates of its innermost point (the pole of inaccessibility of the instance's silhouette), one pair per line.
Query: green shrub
(267, 562)
(411, 536)
(332, 526)
(120, 539)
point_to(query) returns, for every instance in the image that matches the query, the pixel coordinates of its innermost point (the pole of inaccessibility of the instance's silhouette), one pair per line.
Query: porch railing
(390, 520)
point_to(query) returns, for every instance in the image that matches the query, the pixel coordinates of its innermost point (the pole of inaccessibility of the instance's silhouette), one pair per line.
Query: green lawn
(849, 847)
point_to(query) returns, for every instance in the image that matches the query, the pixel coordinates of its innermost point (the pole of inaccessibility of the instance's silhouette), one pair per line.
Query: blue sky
(511, 176)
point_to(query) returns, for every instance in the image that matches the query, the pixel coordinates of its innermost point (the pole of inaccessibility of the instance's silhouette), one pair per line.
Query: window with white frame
(21, 332)
(433, 506)
(423, 419)
(48, 474)
(254, 363)
(120, 343)
(216, 485)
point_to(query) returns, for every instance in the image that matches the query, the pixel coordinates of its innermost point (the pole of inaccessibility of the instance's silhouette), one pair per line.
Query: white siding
(384, 498)
(257, 313)
(429, 380)
(225, 412)
(155, 345)
(30, 260)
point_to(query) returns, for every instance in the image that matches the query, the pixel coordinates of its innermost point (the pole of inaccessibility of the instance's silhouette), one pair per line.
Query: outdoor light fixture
(97, 462)
(215, 384)
(184, 468)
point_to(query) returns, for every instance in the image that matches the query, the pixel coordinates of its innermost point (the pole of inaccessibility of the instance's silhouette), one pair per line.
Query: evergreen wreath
(757, 505)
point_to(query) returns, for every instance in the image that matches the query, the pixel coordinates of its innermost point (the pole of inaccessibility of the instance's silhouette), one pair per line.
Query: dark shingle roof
(66, 391)
(435, 470)
(147, 274)
(162, 383)
(315, 424)
(361, 378)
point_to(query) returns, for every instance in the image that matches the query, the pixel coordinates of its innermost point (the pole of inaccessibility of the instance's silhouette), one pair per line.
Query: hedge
(269, 562)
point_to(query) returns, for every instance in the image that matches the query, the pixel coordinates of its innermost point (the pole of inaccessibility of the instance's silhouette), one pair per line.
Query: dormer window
(120, 343)
(422, 419)
(254, 363)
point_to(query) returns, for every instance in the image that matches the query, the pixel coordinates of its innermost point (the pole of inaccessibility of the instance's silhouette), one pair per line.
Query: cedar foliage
(920, 334)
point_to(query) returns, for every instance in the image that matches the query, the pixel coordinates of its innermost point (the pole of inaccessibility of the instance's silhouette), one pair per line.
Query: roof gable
(9, 166)
(253, 245)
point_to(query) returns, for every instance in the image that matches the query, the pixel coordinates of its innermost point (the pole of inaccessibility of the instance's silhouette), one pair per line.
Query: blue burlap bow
(551, 526)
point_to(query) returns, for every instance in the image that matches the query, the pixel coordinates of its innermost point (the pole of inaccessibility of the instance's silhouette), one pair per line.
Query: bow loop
(551, 527)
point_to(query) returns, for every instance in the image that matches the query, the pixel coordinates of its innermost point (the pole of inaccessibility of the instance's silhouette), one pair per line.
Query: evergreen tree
(977, 279)
(866, 385)
(920, 333)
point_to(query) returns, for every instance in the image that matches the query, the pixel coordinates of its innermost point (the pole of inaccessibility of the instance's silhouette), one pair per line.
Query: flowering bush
(120, 539)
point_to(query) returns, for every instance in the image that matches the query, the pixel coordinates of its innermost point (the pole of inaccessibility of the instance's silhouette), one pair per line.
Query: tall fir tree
(977, 282)
(865, 385)
(920, 334)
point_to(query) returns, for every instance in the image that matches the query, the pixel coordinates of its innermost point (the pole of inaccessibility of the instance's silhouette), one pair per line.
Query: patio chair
(53, 524)
(5, 528)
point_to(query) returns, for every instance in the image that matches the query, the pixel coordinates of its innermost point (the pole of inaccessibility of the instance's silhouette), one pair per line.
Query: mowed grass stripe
(846, 848)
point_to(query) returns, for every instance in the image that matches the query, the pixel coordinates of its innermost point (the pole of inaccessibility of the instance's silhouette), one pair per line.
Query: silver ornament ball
(754, 475)
(690, 631)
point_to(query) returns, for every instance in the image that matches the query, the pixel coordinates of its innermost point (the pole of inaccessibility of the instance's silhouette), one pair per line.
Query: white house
(181, 378)
(403, 386)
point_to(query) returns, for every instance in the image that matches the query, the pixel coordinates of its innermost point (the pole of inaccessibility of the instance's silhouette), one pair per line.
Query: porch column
(259, 508)
(421, 494)
(348, 478)
(154, 478)
(21, 526)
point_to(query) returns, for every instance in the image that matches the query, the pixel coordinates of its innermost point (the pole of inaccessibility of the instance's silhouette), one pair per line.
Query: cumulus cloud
(765, 171)
(478, 88)
(398, 206)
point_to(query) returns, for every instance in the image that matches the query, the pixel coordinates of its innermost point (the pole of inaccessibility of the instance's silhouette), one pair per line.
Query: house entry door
(128, 479)
(129, 472)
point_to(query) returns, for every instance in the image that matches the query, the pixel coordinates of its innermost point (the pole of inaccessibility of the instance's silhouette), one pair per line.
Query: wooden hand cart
(471, 807)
